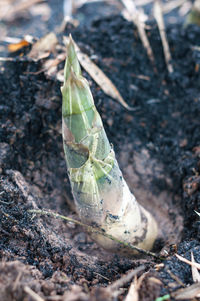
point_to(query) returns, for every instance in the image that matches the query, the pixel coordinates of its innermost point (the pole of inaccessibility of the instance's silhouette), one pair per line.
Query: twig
(101, 276)
(161, 26)
(175, 278)
(144, 39)
(95, 230)
(31, 293)
(16, 282)
(197, 265)
(125, 279)
(136, 18)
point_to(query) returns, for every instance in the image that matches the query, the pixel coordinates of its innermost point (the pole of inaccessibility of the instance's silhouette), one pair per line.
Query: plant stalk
(101, 195)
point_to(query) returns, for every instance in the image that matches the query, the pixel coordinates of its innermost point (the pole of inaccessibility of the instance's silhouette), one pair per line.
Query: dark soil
(157, 145)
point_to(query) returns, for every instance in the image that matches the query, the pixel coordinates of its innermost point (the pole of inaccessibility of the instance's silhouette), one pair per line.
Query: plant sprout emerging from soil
(101, 195)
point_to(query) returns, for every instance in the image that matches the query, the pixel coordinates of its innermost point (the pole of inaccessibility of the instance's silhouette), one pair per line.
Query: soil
(157, 146)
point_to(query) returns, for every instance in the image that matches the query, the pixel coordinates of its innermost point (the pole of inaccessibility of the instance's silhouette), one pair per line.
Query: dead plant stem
(95, 230)
(161, 26)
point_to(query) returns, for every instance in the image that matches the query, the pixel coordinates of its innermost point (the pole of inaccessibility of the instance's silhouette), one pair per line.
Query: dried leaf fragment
(43, 46)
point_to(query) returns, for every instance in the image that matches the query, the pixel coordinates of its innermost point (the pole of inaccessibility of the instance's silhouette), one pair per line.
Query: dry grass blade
(32, 294)
(137, 20)
(187, 293)
(195, 264)
(100, 78)
(133, 291)
(195, 273)
(161, 26)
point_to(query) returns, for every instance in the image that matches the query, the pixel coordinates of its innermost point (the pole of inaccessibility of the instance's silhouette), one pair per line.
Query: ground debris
(186, 293)
(43, 47)
(195, 273)
(132, 13)
(160, 21)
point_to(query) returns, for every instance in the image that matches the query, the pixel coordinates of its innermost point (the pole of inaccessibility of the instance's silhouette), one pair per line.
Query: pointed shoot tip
(70, 38)
(72, 62)
(71, 51)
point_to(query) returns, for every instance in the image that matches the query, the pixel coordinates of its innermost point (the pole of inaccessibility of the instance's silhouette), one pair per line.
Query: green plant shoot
(101, 195)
